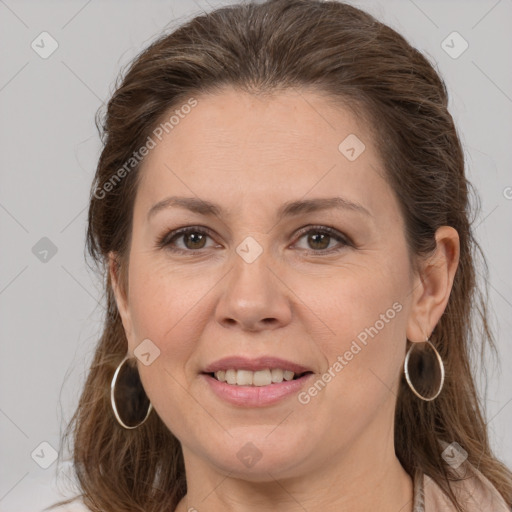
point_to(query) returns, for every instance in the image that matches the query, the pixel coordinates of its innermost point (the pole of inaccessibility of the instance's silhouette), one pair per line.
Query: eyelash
(164, 242)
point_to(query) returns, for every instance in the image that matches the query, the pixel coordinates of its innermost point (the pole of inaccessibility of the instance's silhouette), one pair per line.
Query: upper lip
(259, 363)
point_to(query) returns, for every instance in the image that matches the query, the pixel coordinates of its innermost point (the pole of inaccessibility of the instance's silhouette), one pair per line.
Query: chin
(258, 458)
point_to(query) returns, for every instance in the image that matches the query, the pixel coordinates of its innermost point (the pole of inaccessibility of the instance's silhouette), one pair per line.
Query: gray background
(50, 314)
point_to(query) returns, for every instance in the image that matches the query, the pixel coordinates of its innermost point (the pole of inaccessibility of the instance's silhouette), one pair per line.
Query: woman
(282, 213)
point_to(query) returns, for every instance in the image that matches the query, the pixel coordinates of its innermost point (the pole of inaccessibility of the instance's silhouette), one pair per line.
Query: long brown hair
(355, 60)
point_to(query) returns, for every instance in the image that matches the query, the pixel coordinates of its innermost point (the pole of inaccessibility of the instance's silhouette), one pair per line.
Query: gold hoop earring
(426, 369)
(126, 389)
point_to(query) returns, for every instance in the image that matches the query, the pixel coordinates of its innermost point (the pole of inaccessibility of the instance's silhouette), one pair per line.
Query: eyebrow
(288, 209)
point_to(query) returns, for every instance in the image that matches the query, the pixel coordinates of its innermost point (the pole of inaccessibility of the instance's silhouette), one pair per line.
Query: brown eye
(319, 239)
(195, 239)
(185, 240)
(192, 239)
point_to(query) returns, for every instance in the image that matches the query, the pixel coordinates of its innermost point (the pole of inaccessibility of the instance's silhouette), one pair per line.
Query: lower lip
(256, 396)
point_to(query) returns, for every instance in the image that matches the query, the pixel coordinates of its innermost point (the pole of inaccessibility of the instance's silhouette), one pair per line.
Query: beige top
(474, 492)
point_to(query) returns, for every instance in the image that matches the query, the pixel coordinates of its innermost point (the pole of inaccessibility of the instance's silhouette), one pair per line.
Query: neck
(360, 482)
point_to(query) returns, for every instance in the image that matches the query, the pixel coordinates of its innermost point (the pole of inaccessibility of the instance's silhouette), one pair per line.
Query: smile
(251, 395)
(256, 378)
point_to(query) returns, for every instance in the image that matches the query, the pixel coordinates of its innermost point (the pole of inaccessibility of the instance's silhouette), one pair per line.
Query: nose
(254, 298)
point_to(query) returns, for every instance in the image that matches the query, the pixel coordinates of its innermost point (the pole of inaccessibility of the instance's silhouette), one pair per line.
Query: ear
(432, 287)
(120, 293)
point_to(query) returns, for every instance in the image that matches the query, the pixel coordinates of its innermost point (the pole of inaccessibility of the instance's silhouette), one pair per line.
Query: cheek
(160, 297)
(165, 307)
(363, 298)
(364, 356)
(366, 310)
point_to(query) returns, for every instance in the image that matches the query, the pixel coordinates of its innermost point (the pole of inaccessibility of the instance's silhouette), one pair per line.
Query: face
(327, 288)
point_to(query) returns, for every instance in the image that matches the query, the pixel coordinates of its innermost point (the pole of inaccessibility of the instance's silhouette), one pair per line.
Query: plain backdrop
(50, 302)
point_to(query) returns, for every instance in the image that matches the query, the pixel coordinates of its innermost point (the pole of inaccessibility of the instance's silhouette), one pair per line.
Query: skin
(251, 154)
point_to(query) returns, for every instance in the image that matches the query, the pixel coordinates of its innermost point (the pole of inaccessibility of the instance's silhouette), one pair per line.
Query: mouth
(265, 370)
(260, 387)
(265, 377)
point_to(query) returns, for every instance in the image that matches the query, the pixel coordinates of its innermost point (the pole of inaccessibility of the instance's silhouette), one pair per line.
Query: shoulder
(473, 490)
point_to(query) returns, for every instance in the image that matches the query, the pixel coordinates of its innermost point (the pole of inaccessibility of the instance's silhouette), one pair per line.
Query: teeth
(231, 376)
(244, 377)
(248, 378)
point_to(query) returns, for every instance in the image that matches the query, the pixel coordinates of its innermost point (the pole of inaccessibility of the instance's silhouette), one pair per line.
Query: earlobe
(434, 284)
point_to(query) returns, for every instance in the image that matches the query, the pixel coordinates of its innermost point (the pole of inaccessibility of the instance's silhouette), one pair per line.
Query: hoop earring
(425, 370)
(132, 395)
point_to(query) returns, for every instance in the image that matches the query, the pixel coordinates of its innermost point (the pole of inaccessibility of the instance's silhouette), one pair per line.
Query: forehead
(231, 143)
(237, 121)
